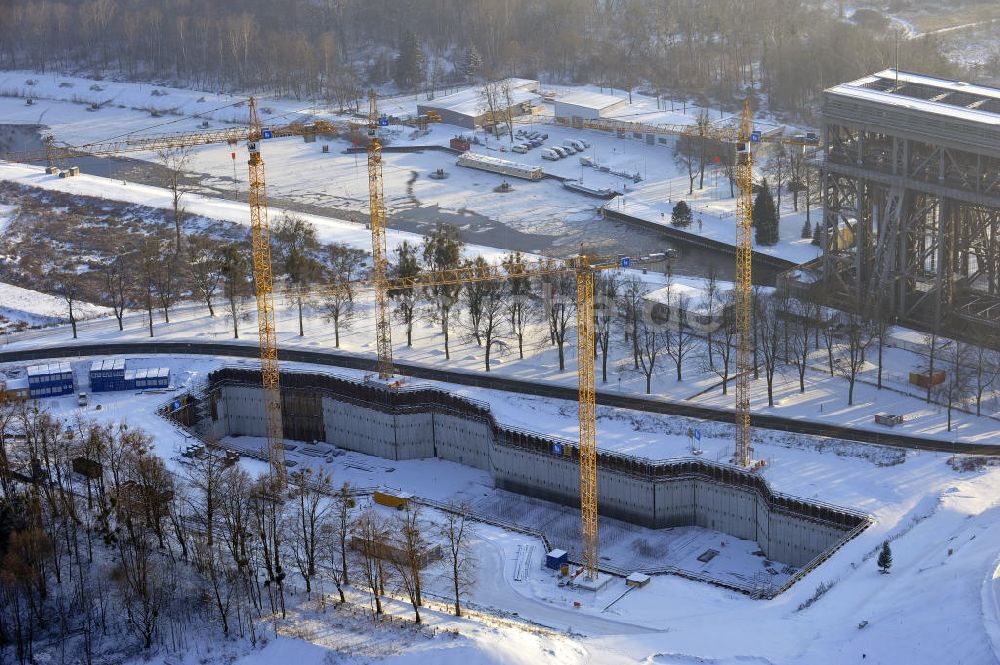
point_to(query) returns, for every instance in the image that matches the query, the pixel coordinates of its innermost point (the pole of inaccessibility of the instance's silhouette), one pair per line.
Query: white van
(550, 154)
(519, 149)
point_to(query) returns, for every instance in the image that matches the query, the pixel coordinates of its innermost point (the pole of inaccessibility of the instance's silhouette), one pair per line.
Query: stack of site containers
(50, 380)
(107, 375)
(142, 379)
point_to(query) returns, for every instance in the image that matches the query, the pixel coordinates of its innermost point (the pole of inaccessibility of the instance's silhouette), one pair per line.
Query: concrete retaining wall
(411, 424)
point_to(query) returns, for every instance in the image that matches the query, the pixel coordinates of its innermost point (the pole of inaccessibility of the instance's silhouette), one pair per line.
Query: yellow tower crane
(743, 138)
(744, 284)
(380, 259)
(260, 240)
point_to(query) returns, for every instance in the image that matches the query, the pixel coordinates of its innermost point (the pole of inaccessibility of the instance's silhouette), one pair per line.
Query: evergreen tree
(807, 231)
(765, 216)
(885, 558)
(472, 63)
(681, 215)
(816, 233)
(409, 70)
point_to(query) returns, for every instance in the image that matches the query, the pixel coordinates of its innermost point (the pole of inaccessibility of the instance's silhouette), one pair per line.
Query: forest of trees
(786, 49)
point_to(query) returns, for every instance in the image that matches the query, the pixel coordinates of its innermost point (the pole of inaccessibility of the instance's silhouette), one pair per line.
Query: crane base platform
(591, 584)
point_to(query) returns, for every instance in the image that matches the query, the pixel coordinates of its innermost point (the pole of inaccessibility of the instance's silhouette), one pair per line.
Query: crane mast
(588, 415)
(380, 259)
(260, 237)
(744, 308)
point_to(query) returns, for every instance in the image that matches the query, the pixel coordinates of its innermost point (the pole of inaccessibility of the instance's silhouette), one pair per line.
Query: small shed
(637, 580)
(556, 558)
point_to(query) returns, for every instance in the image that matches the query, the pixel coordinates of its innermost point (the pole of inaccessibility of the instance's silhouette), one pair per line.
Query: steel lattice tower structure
(911, 195)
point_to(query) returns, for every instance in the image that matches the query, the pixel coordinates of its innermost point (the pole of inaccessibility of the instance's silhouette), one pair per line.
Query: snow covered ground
(24, 307)
(303, 173)
(935, 606)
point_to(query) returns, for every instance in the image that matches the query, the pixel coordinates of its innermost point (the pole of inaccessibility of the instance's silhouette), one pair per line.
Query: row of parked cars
(531, 140)
(569, 147)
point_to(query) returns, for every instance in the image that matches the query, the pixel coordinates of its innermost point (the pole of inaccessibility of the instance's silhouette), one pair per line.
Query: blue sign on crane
(755, 137)
(383, 121)
(266, 133)
(626, 262)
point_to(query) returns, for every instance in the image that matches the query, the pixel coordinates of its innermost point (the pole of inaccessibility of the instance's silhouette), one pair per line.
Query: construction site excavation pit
(692, 517)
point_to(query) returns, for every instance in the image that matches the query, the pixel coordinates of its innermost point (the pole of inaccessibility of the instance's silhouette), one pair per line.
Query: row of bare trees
(101, 539)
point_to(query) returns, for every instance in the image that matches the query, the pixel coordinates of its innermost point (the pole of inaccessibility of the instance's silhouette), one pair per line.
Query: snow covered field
(300, 172)
(936, 605)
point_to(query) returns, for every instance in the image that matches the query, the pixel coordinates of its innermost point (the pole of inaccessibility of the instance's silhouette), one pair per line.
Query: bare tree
(859, 336)
(932, 346)
(407, 267)
(146, 263)
(521, 305)
(687, 151)
(458, 532)
(986, 369)
(487, 301)
(337, 299)
(308, 488)
(631, 307)
(175, 162)
(799, 330)
(651, 346)
(606, 287)
(723, 341)
(117, 285)
(204, 267)
(408, 561)
(768, 322)
(442, 250)
(167, 276)
(68, 287)
(559, 296)
(234, 264)
(297, 248)
(679, 339)
(369, 532)
(958, 385)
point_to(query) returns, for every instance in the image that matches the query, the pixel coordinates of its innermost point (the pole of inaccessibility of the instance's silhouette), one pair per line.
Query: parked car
(559, 150)
(519, 149)
(550, 155)
(578, 145)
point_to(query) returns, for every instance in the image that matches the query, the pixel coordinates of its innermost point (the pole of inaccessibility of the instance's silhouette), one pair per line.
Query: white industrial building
(468, 108)
(587, 105)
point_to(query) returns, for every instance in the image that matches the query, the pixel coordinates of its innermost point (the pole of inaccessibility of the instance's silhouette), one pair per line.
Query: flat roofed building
(587, 105)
